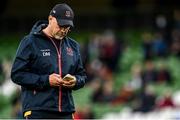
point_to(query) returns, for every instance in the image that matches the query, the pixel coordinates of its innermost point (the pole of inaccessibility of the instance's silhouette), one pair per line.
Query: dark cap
(63, 14)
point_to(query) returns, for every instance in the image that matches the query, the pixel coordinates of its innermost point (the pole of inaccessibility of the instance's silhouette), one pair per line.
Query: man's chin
(59, 37)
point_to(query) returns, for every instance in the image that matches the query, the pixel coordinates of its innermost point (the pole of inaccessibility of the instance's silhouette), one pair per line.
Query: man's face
(59, 32)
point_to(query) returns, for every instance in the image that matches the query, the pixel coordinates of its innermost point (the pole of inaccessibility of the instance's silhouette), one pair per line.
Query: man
(48, 67)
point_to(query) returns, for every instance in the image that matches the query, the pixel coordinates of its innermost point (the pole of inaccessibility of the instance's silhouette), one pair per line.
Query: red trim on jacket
(60, 71)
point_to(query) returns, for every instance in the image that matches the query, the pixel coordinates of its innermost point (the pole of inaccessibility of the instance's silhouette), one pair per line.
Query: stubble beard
(59, 36)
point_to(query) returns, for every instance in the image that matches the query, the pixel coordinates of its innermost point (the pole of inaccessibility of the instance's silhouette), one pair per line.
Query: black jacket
(37, 57)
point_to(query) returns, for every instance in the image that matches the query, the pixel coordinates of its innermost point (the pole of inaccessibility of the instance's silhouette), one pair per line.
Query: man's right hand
(55, 80)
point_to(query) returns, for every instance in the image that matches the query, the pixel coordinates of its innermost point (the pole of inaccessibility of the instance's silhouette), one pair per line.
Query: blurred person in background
(43, 59)
(159, 46)
(136, 79)
(109, 51)
(92, 64)
(147, 45)
(103, 92)
(149, 74)
(145, 101)
(1, 73)
(165, 101)
(84, 113)
(16, 102)
(175, 46)
(164, 74)
(129, 90)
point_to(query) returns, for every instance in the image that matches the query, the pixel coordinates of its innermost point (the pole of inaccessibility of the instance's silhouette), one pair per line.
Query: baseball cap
(63, 14)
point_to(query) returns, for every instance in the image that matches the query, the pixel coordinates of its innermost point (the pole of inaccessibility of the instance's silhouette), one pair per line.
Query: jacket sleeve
(21, 72)
(80, 73)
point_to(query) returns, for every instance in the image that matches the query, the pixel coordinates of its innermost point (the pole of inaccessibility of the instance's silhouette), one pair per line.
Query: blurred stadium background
(130, 49)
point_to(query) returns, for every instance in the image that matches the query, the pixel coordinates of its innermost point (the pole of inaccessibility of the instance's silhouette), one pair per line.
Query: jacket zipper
(60, 72)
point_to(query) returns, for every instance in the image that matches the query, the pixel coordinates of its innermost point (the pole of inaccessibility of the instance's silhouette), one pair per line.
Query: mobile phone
(68, 77)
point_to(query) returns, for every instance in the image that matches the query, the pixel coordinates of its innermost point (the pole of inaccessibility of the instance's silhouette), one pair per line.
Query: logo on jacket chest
(45, 52)
(69, 51)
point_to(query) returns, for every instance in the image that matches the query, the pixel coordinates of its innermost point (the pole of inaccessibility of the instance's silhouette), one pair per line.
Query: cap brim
(63, 22)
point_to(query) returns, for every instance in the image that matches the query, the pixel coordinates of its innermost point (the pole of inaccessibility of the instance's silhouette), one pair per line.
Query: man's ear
(50, 18)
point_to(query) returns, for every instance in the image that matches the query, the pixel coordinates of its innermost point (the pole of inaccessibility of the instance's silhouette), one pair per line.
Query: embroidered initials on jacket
(46, 52)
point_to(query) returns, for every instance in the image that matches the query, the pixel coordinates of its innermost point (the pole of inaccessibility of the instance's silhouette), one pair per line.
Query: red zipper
(60, 72)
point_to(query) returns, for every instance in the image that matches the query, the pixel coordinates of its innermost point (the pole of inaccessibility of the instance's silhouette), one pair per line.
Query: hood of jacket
(38, 26)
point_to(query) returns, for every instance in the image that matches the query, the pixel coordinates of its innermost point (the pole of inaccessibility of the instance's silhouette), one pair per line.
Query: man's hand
(55, 80)
(69, 81)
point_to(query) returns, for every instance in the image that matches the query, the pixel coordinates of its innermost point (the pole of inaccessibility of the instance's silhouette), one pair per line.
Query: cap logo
(67, 13)
(69, 51)
(54, 11)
